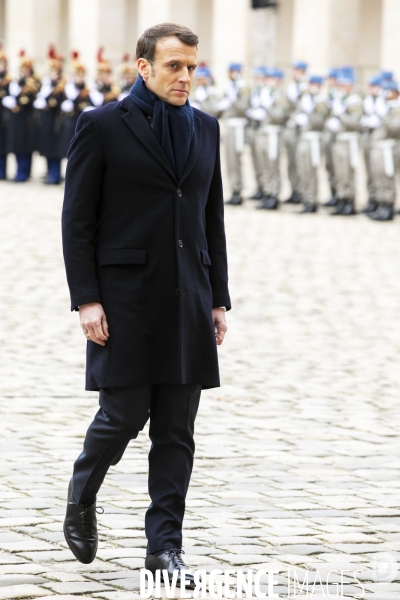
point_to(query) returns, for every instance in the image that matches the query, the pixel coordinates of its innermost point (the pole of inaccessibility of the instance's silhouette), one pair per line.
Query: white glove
(40, 103)
(67, 106)
(224, 104)
(374, 121)
(71, 91)
(96, 97)
(9, 102)
(15, 89)
(302, 120)
(338, 107)
(45, 90)
(333, 124)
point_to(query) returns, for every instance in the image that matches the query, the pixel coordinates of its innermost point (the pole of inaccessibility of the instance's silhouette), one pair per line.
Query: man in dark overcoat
(145, 254)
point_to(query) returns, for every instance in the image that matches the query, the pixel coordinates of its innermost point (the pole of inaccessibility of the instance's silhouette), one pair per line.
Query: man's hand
(218, 315)
(94, 323)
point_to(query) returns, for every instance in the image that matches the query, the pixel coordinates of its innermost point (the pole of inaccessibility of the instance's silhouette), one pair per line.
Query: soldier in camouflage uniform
(291, 133)
(277, 110)
(232, 107)
(328, 137)
(5, 81)
(385, 156)
(20, 130)
(48, 106)
(347, 112)
(204, 97)
(313, 111)
(256, 115)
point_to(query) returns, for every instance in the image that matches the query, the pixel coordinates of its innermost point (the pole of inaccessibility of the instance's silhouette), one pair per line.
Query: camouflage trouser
(383, 169)
(328, 140)
(233, 160)
(308, 172)
(367, 148)
(269, 156)
(290, 138)
(344, 161)
(252, 135)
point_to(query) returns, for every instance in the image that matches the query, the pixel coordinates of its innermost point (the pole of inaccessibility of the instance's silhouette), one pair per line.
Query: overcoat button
(179, 192)
(180, 244)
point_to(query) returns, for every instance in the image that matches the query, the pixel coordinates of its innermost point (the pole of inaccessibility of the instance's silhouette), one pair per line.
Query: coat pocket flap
(122, 256)
(205, 259)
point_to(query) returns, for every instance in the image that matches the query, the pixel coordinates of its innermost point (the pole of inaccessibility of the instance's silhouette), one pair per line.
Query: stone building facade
(325, 33)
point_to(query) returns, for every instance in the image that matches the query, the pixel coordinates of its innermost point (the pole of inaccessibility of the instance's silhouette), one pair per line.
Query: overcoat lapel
(139, 125)
(194, 149)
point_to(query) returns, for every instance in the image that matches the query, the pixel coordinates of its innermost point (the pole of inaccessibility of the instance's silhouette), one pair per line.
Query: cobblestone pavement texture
(297, 454)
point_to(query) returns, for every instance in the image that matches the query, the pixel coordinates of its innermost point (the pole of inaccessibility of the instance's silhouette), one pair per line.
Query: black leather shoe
(295, 198)
(236, 199)
(333, 200)
(257, 195)
(384, 212)
(339, 208)
(269, 203)
(170, 560)
(309, 208)
(80, 529)
(348, 209)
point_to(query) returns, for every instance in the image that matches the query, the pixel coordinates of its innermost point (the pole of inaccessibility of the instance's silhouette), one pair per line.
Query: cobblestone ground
(297, 454)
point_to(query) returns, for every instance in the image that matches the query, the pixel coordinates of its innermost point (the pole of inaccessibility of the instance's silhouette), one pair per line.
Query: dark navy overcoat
(150, 248)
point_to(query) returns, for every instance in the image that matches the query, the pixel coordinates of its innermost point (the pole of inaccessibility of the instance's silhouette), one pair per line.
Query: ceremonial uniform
(348, 111)
(127, 77)
(313, 113)
(256, 115)
(291, 133)
(268, 143)
(20, 131)
(105, 90)
(48, 104)
(233, 107)
(4, 115)
(77, 101)
(385, 157)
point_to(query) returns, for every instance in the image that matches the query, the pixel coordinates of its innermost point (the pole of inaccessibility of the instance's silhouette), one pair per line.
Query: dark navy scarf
(173, 126)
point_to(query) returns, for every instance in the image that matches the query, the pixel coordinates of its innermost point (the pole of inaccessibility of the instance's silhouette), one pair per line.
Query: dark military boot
(295, 198)
(257, 195)
(371, 207)
(333, 201)
(269, 203)
(309, 208)
(236, 199)
(384, 212)
(348, 209)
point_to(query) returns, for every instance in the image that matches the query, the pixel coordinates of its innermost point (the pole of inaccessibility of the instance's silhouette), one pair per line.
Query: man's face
(374, 90)
(171, 75)
(298, 74)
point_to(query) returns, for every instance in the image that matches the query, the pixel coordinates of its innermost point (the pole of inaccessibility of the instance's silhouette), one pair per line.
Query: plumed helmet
(103, 65)
(77, 66)
(55, 60)
(126, 68)
(24, 61)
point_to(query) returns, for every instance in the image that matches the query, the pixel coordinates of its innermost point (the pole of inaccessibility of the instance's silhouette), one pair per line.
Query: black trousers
(123, 412)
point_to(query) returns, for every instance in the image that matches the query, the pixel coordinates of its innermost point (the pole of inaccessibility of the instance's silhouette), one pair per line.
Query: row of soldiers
(41, 115)
(317, 121)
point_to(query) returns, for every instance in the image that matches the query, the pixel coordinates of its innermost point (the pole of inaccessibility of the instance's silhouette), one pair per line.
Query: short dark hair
(146, 45)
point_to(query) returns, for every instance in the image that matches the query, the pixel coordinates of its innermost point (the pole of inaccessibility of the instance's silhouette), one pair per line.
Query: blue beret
(277, 73)
(390, 85)
(259, 71)
(346, 75)
(235, 67)
(333, 73)
(375, 80)
(299, 64)
(316, 79)
(387, 75)
(202, 72)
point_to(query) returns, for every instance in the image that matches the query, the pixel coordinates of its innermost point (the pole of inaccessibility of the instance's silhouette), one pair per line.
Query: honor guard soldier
(233, 107)
(20, 134)
(313, 111)
(4, 115)
(127, 75)
(328, 137)
(204, 97)
(374, 109)
(268, 142)
(256, 115)
(294, 91)
(48, 104)
(347, 111)
(77, 101)
(385, 156)
(104, 90)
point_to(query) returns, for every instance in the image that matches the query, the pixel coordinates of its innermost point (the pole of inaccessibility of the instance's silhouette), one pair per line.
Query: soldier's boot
(3, 168)
(371, 206)
(333, 201)
(309, 208)
(349, 208)
(258, 194)
(295, 198)
(339, 208)
(384, 212)
(236, 199)
(269, 203)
